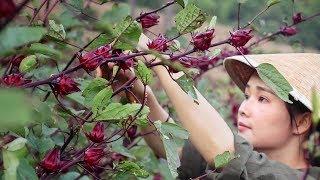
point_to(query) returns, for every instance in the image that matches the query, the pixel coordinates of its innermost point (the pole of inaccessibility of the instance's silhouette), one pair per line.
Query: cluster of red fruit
(93, 157)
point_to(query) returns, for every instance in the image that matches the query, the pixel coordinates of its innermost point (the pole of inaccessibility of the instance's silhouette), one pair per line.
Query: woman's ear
(303, 123)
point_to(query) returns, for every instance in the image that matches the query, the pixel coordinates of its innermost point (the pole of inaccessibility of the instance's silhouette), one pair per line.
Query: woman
(271, 132)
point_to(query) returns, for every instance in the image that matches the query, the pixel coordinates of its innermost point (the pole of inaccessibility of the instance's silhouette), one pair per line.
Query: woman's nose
(244, 109)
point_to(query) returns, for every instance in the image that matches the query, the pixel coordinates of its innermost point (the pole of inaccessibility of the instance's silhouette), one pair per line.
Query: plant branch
(159, 9)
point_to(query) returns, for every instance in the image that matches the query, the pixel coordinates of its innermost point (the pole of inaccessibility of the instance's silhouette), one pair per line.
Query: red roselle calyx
(91, 60)
(7, 8)
(65, 85)
(202, 41)
(240, 37)
(97, 133)
(125, 63)
(297, 18)
(51, 162)
(288, 31)
(158, 44)
(149, 20)
(92, 156)
(132, 131)
(13, 80)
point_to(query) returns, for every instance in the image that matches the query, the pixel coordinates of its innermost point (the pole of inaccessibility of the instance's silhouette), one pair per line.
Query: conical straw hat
(301, 70)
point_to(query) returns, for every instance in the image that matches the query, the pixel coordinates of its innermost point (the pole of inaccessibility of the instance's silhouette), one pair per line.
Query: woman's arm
(209, 133)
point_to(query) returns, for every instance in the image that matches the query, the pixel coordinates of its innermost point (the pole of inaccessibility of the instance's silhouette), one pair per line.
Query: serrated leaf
(56, 31)
(127, 34)
(13, 37)
(272, 2)
(103, 39)
(132, 168)
(221, 160)
(93, 88)
(118, 147)
(315, 107)
(117, 112)
(187, 86)
(46, 131)
(189, 19)
(274, 79)
(28, 64)
(183, 3)
(101, 100)
(45, 50)
(143, 73)
(213, 22)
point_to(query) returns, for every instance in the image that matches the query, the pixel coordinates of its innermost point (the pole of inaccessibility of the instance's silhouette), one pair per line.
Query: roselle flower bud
(296, 18)
(202, 41)
(92, 156)
(7, 8)
(126, 63)
(89, 61)
(158, 44)
(158, 176)
(97, 133)
(51, 162)
(132, 131)
(149, 20)
(104, 51)
(64, 85)
(13, 80)
(240, 37)
(288, 31)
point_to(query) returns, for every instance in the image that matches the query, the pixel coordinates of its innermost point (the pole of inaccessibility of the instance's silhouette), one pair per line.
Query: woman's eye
(262, 98)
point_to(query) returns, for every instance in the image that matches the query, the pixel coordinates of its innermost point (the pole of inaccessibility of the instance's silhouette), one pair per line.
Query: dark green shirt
(250, 165)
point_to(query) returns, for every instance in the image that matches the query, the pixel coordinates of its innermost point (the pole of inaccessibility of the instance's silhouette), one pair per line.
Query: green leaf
(16, 144)
(25, 170)
(56, 31)
(78, 4)
(117, 112)
(183, 3)
(132, 168)
(167, 133)
(101, 100)
(45, 50)
(213, 22)
(15, 109)
(13, 37)
(100, 41)
(221, 160)
(143, 73)
(176, 46)
(119, 148)
(242, 1)
(174, 130)
(117, 13)
(315, 107)
(127, 33)
(189, 19)
(11, 158)
(187, 86)
(274, 79)
(46, 131)
(28, 64)
(93, 88)
(272, 2)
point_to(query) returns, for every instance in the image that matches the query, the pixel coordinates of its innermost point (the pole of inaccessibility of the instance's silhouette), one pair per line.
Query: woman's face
(265, 115)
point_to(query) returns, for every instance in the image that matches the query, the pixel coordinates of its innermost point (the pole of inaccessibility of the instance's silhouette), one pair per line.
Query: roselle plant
(58, 120)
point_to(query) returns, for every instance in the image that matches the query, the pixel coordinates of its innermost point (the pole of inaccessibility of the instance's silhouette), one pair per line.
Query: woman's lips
(242, 126)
